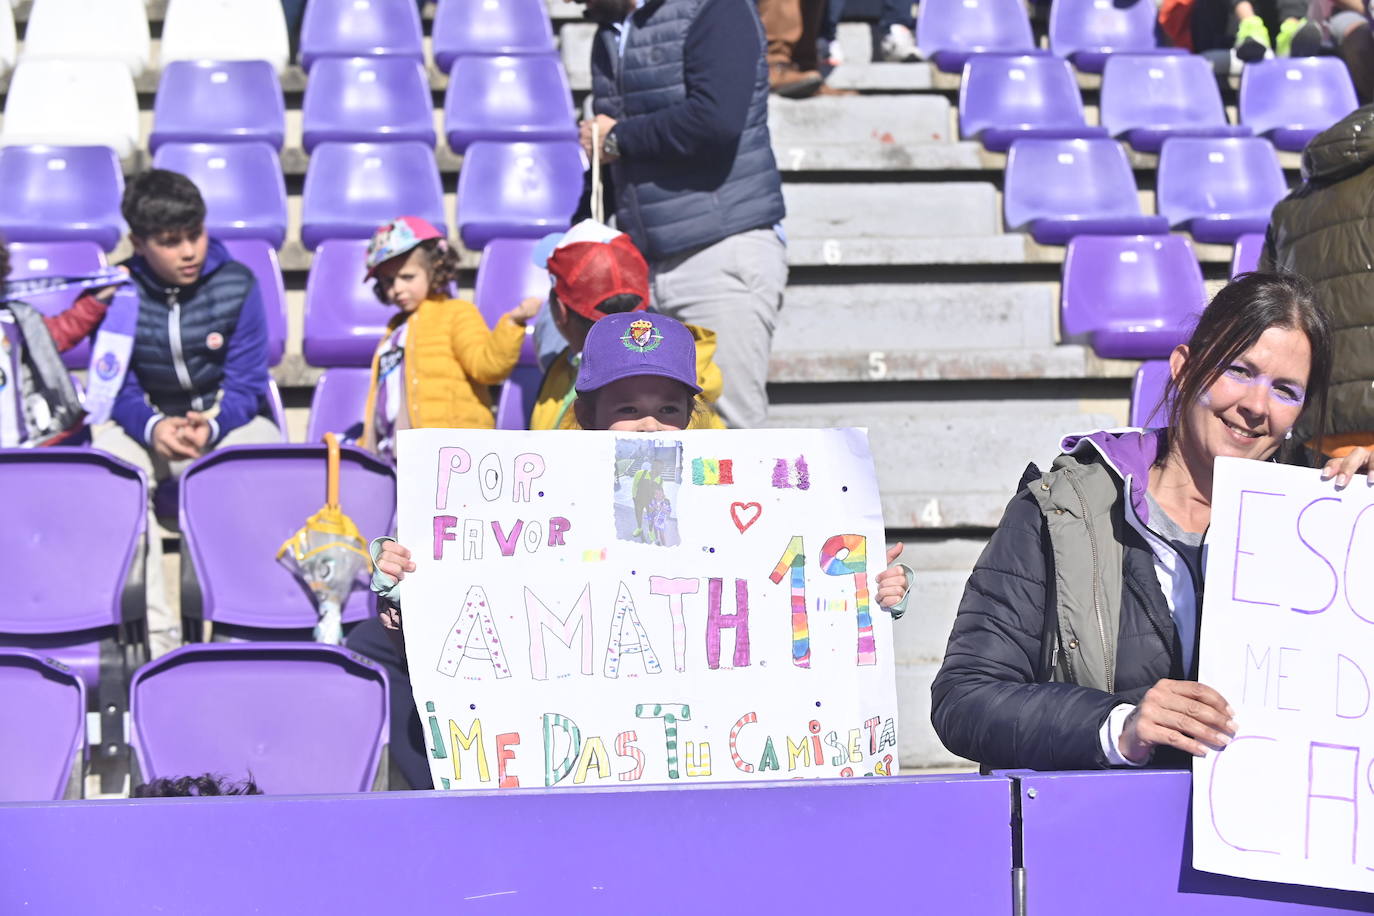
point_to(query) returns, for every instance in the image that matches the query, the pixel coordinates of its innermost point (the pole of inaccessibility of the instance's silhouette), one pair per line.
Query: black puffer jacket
(1324, 230)
(991, 702)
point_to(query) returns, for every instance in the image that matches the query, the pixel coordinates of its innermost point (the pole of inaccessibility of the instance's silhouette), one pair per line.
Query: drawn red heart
(743, 524)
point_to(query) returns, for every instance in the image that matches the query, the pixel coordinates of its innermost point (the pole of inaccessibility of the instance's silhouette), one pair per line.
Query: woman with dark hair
(1075, 645)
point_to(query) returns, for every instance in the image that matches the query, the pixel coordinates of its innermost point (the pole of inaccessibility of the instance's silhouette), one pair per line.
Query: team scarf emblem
(114, 341)
(641, 336)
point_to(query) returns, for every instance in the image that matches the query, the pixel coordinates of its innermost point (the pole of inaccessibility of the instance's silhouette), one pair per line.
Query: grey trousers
(733, 287)
(164, 624)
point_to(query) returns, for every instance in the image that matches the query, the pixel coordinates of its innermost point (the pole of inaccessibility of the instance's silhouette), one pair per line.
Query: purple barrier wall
(933, 844)
(1119, 843)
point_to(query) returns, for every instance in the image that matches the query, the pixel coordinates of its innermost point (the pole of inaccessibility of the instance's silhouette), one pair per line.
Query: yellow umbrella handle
(332, 478)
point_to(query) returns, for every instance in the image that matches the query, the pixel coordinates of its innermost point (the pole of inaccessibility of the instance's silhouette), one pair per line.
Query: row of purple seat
(298, 717)
(504, 190)
(1148, 98)
(364, 99)
(392, 28)
(1216, 188)
(85, 607)
(1085, 32)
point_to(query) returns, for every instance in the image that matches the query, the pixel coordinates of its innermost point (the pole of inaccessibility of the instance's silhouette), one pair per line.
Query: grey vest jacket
(669, 207)
(1077, 500)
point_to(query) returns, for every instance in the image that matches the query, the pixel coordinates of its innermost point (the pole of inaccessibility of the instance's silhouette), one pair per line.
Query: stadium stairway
(910, 311)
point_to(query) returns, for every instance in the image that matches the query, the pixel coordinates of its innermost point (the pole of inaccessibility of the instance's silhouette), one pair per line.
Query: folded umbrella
(326, 554)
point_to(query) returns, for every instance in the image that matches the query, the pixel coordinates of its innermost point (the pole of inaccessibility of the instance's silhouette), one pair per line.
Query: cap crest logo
(641, 336)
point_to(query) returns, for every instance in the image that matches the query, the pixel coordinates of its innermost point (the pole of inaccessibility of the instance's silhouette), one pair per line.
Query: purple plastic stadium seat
(950, 31)
(239, 503)
(517, 190)
(1004, 98)
(1246, 257)
(1147, 392)
(61, 193)
(338, 403)
(1087, 32)
(261, 258)
(1131, 297)
(301, 718)
(43, 723)
(367, 99)
(360, 28)
(478, 28)
(1291, 100)
(1061, 188)
(56, 259)
(1219, 190)
(79, 600)
(245, 194)
(505, 276)
(207, 101)
(507, 98)
(1146, 99)
(518, 394)
(352, 188)
(344, 322)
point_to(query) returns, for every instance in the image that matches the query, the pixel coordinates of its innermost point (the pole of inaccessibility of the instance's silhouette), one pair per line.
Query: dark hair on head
(1241, 311)
(157, 202)
(4, 260)
(611, 305)
(443, 270)
(187, 786)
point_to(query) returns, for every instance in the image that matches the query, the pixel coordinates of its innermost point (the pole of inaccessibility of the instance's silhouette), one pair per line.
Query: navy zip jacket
(195, 344)
(689, 93)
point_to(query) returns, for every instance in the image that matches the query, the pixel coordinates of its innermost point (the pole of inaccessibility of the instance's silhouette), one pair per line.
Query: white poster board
(1288, 639)
(617, 609)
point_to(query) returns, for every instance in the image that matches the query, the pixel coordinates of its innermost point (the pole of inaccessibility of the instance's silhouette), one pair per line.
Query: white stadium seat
(89, 30)
(226, 30)
(72, 103)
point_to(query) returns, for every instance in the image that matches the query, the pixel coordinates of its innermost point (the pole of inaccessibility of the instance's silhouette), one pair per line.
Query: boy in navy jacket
(197, 377)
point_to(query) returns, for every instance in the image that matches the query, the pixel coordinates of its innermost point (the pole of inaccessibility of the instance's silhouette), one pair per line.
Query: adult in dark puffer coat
(1095, 670)
(1324, 230)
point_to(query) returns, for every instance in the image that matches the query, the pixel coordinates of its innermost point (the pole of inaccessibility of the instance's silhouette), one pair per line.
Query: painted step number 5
(842, 555)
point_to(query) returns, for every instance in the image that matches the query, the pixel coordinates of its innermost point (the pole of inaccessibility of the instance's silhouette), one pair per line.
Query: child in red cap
(597, 272)
(438, 357)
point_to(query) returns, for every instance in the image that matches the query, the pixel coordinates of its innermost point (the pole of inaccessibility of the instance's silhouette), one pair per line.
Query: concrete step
(953, 463)
(942, 567)
(925, 332)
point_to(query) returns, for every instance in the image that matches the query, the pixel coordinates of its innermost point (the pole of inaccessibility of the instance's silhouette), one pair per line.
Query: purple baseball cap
(638, 343)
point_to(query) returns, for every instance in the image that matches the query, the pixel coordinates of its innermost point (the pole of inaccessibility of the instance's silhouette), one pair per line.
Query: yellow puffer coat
(553, 409)
(451, 359)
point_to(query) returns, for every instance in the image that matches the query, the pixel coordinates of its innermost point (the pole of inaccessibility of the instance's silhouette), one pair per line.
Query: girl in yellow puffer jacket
(438, 357)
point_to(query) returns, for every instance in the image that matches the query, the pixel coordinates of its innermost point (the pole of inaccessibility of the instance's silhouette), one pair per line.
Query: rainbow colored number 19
(842, 555)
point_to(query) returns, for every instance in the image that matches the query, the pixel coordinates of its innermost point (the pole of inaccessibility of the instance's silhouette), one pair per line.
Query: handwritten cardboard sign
(1288, 639)
(614, 609)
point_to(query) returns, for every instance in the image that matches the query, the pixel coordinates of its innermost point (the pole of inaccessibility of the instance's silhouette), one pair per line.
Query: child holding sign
(638, 374)
(438, 356)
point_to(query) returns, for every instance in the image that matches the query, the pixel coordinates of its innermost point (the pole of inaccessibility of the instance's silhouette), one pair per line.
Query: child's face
(176, 258)
(404, 280)
(642, 403)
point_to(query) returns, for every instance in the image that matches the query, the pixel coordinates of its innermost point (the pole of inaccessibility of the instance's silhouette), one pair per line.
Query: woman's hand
(395, 561)
(1344, 469)
(1183, 714)
(892, 582)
